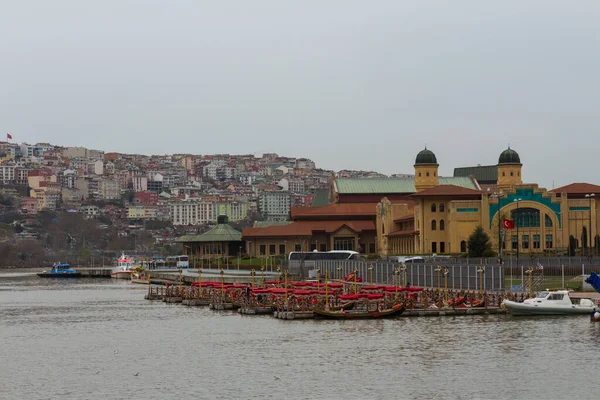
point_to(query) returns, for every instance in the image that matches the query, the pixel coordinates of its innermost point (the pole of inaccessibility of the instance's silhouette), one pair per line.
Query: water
(88, 339)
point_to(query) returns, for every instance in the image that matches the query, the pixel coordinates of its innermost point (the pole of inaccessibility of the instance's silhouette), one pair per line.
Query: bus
(178, 262)
(324, 255)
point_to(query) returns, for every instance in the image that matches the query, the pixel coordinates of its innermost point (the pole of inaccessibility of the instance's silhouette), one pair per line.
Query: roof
(509, 156)
(321, 198)
(306, 228)
(266, 224)
(409, 217)
(426, 156)
(393, 185)
(483, 173)
(335, 209)
(579, 188)
(220, 233)
(449, 190)
(402, 233)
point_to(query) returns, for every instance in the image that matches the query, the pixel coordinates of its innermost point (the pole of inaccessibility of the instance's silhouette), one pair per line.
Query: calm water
(87, 339)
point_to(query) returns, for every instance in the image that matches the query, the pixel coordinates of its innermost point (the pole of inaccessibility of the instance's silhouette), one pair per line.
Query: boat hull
(394, 312)
(531, 309)
(51, 275)
(121, 275)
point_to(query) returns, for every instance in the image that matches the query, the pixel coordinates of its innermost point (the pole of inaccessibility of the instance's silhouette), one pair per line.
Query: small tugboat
(60, 271)
(550, 303)
(123, 268)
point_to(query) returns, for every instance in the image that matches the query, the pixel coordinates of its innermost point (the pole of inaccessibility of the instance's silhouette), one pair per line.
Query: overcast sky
(349, 84)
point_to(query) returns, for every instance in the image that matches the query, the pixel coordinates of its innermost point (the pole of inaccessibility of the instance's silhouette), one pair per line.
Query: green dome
(426, 157)
(509, 156)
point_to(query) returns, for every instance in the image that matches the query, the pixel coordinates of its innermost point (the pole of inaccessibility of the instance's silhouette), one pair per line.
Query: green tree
(479, 244)
(572, 245)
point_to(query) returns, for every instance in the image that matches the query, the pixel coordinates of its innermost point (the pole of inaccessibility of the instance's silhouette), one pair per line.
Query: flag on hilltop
(8, 136)
(508, 223)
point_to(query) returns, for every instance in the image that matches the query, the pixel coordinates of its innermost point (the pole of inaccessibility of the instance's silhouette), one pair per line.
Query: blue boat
(60, 271)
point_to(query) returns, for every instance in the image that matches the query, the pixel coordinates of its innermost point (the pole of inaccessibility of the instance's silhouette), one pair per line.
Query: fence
(459, 276)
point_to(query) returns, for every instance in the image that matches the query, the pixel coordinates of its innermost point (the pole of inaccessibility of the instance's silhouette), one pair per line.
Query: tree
(479, 244)
(572, 245)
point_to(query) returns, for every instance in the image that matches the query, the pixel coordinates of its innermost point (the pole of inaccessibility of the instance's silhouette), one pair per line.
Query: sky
(349, 84)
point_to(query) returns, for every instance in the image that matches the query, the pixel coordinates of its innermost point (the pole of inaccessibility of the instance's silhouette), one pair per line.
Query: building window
(512, 173)
(297, 247)
(263, 249)
(536, 241)
(343, 243)
(434, 247)
(463, 246)
(548, 221)
(433, 225)
(548, 241)
(322, 247)
(371, 248)
(442, 207)
(442, 247)
(504, 174)
(514, 242)
(313, 246)
(442, 225)
(419, 174)
(525, 241)
(271, 249)
(434, 174)
(433, 207)
(282, 249)
(427, 174)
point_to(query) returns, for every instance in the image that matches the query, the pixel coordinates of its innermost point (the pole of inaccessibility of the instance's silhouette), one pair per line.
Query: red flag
(508, 223)
(8, 136)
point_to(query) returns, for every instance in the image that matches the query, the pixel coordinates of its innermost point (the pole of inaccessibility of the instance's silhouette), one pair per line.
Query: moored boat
(550, 303)
(60, 270)
(123, 268)
(395, 311)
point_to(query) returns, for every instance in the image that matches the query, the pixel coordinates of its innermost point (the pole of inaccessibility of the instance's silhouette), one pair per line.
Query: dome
(426, 157)
(509, 156)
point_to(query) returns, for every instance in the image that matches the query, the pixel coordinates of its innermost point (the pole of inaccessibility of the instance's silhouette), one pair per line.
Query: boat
(123, 268)
(395, 311)
(551, 303)
(60, 270)
(138, 275)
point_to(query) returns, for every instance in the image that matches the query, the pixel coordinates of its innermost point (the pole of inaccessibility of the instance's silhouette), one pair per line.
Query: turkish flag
(8, 136)
(508, 223)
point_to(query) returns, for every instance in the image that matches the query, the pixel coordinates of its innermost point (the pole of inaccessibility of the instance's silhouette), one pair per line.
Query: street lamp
(589, 197)
(517, 223)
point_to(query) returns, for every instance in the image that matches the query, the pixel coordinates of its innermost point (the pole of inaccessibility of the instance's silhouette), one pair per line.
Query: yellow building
(439, 217)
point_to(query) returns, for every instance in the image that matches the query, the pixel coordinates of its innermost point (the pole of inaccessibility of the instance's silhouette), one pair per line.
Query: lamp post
(199, 282)
(326, 291)
(529, 272)
(403, 269)
(481, 270)
(371, 275)
(438, 269)
(517, 223)
(355, 281)
(285, 275)
(318, 277)
(222, 284)
(396, 270)
(339, 269)
(589, 197)
(278, 275)
(252, 276)
(446, 285)
(262, 273)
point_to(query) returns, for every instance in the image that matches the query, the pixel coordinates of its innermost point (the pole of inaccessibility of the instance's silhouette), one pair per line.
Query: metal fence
(459, 276)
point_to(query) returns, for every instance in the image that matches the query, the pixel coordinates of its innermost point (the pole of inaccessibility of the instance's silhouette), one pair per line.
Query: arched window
(419, 174)
(512, 173)
(463, 247)
(441, 207)
(504, 174)
(433, 225)
(548, 221)
(427, 174)
(433, 207)
(442, 225)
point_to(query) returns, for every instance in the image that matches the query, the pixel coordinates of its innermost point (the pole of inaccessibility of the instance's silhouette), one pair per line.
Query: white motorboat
(551, 303)
(123, 268)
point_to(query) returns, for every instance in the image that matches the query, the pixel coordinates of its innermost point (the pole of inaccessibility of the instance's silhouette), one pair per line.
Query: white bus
(324, 255)
(178, 262)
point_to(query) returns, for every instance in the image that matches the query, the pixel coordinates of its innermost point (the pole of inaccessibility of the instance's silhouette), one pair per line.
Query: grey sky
(350, 84)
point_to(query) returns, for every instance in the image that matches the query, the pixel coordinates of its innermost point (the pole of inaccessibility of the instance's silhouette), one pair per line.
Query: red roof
(581, 188)
(402, 233)
(448, 190)
(306, 228)
(406, 218)
(336, 209)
